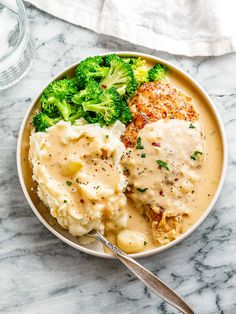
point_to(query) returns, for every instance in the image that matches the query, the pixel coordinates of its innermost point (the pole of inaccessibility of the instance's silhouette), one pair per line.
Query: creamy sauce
(66, 161)
(137, 223)
(213, 159)
(210, 171)
(163, 172)
(163, 168)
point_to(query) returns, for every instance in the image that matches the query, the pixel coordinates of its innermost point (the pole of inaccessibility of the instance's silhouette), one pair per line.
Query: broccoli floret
(93, 117)
(158, 72)
(120, 76)
(91, 67)
(106, 106)
(127, 60)
(77, 113)
(92, 90)
(140, 69)
(55, 98)
(41, 122)
(125, 114)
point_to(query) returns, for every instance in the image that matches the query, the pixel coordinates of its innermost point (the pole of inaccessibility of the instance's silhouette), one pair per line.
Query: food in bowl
(134, 152)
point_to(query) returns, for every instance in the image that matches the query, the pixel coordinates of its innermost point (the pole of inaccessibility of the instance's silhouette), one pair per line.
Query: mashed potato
(79, 176)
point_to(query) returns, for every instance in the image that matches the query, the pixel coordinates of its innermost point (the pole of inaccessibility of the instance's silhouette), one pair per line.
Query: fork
(148, 278)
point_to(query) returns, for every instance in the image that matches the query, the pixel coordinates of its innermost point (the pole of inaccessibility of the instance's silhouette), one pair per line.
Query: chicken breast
(154, 101)
(157, 101)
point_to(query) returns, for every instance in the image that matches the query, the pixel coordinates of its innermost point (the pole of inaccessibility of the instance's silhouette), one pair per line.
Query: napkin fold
(183, 27)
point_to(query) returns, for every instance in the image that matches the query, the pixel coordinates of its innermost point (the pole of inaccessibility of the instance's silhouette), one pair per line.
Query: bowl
(43, 213)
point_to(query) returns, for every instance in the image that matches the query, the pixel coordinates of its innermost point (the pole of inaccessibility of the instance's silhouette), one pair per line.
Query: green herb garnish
(163, 164)
(195, 154)
(191, 126)
(142, 190)
(143, 155)
(145, 243)
(139, 144)
(69, 183)
(65, 201)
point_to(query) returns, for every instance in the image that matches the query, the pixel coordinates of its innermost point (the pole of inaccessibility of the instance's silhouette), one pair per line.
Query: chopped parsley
(103, 169)
(191, 126)
(65, 201)
(69, 183)
(195, 154)
(139, 144)
(163, 164)
(145, 243)
(143, 155)
(142, 190)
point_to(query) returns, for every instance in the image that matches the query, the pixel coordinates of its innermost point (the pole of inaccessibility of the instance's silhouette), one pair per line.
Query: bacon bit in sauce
(161, 193)
(156, 144)
(81, 201)
(176, 179)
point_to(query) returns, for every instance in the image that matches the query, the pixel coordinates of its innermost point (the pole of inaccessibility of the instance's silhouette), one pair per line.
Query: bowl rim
(157, 249)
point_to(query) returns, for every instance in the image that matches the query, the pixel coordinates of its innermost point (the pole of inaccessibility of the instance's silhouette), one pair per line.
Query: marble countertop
(41, 274)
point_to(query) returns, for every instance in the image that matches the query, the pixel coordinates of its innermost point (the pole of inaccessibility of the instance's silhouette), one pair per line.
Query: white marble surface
(40, 274)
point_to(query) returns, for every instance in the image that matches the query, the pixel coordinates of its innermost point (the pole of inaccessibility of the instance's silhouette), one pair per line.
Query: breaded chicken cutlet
(154, 101)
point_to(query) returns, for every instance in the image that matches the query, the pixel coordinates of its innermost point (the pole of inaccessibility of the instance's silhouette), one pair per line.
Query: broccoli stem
(95, 107)
(115, 76)
(62, 106)
(78, 98)
(77, 115)
(101, 72)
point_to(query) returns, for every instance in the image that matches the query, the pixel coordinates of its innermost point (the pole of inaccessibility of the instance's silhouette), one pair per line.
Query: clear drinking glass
(16, 44)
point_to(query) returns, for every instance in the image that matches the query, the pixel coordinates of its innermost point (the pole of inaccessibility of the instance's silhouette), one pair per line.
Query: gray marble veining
(40, 274)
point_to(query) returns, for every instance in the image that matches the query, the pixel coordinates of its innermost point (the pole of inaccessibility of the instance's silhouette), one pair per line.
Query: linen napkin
(184, 27)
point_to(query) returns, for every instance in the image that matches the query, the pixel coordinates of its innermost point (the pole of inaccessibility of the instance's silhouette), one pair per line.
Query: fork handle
(148, 278)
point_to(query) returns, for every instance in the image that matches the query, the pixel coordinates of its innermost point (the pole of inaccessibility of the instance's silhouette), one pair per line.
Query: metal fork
(149, 279)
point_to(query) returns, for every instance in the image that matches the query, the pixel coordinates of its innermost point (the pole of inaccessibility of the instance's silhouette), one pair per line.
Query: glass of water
(16, 44)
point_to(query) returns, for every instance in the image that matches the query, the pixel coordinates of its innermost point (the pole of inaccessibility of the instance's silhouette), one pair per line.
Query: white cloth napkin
(184, 27)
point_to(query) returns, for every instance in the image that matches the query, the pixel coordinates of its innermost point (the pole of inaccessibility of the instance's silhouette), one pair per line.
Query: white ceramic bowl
(95, 249)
